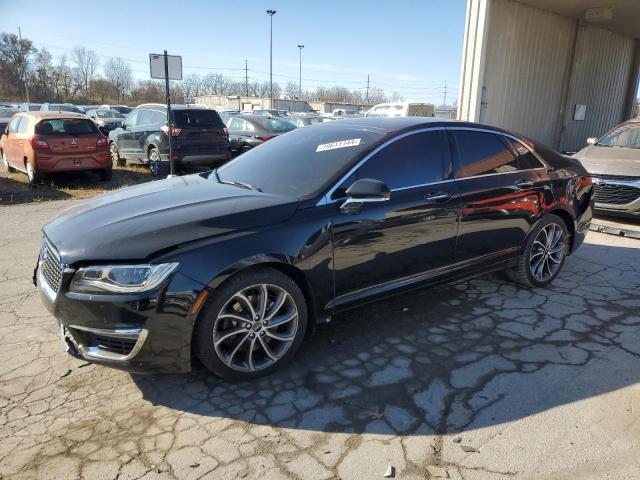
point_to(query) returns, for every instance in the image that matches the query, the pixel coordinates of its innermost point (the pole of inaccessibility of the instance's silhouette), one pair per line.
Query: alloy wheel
(114, 153)
(255, 327)
(30, 173)
(547, 252)
(5, 161)
(154, 162)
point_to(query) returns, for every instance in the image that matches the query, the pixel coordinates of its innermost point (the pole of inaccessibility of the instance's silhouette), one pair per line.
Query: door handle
(524, 184)
(437, 197)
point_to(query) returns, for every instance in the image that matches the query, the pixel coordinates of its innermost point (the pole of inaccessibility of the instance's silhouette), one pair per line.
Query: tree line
(81, 77)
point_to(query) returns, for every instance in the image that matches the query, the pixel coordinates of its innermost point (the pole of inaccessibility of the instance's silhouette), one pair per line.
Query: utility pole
(271, 13)
(444, 102)
(24, 72)
(367, 89)
(300, 84)
(246, 79)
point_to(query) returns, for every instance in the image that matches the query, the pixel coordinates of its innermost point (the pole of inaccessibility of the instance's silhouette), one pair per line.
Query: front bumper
(149, 332)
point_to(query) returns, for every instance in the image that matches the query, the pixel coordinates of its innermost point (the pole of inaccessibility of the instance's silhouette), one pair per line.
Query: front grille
(51, 265)
(615, 194)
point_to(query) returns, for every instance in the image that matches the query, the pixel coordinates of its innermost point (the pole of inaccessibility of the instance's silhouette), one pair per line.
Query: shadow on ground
(468, 355)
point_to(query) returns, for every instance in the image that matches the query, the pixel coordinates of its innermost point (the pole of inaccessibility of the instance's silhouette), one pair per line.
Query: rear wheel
(5, 162)
(32, 174)
(157, 167)
(252, 325)
(543, 254)
(116, 159)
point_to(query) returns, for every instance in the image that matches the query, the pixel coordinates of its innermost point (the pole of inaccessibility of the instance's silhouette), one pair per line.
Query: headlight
(121, 278)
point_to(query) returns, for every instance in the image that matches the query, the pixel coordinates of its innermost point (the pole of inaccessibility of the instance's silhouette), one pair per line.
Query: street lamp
(300, 84)
(271, 13)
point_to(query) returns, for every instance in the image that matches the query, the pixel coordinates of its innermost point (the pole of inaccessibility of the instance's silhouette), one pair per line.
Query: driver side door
(411, 237)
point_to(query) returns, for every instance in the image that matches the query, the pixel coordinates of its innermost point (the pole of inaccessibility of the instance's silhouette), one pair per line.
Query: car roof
(44, 114)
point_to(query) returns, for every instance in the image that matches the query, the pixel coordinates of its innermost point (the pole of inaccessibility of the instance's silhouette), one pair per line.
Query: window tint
(413, 160)
(481, 153)
(158, 118)
(66, 126)
(236, 124)
(626, 135)
(526, 159)
(23, 125)
(197, 119)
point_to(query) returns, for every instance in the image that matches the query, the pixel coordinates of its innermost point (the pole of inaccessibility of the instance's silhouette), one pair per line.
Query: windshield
(108, 114)
(626, 135)
(301, 162)
(67, 126)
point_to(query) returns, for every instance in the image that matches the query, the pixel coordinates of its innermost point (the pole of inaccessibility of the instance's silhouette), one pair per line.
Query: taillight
(102, 142)
(39, 144)
(175, 132)
(264, 138)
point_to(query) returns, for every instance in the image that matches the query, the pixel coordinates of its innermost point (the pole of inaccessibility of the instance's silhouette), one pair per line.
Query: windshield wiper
(248, 186)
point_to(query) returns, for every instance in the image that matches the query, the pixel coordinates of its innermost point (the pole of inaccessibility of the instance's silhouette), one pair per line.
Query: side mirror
(124, 126)
(591, 140)
(365, 190)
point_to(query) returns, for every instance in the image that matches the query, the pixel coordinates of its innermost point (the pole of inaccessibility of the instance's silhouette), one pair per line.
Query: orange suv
(41, 143)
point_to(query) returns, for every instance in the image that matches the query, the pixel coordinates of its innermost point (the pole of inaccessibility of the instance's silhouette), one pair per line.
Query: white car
(402, 109)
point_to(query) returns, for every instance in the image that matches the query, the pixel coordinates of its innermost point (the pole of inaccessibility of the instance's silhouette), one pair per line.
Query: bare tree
(192, 85)
(16, 55)
(87, 63)
(119, 73)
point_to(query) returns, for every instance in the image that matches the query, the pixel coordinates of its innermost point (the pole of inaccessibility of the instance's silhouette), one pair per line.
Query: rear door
(125, 136)
(498, 199)
(144, 127)
(68, 136)
(202, 132)
(11, 142)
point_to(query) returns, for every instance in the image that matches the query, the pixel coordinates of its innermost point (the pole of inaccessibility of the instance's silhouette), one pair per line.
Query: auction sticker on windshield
(354, 142)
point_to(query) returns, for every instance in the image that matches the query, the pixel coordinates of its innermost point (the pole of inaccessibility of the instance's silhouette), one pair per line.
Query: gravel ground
(476, 380)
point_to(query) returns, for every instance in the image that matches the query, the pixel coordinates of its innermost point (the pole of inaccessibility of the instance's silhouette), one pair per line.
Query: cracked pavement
(475, 380)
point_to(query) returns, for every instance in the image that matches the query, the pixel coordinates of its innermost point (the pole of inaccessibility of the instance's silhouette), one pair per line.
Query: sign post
(167, 67)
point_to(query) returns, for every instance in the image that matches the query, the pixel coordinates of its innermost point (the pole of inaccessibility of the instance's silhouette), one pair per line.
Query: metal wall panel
(527, 67)
(599, 79)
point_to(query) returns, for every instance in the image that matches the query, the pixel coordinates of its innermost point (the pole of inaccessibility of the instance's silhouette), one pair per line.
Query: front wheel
(7, 165)
(252, 325)
(543, 254)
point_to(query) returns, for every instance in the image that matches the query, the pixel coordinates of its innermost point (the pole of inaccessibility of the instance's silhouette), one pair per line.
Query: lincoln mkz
(234, 266)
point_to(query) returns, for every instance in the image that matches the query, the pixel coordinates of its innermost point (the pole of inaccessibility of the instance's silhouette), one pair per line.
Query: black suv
(199, 138)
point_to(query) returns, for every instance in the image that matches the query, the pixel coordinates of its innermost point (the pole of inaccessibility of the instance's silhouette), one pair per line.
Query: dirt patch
(15, 189)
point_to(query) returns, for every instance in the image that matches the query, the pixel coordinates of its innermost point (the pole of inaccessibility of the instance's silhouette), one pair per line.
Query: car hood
(599, 160)
(111, 119)
(136, 222)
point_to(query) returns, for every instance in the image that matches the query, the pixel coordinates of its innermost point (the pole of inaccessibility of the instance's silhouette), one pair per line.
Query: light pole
(271, 13)
(300, 84)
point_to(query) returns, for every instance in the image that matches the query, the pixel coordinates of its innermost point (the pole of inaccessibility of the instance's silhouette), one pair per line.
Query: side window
(235, 124)
(158, 117)
(411, 161)
(526, 159)
(13, 125)
(481, 153)
(145, 117)
(130, 121)
(23, 125)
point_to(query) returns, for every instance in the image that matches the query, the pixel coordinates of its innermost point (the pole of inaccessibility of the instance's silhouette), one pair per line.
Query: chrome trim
(326, 198)
(44, 286)
(97, 353)
(418, 277)
(624, 207)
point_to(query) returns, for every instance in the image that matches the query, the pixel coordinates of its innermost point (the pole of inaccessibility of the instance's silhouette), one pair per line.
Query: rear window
(67, 126)
(197, 119)
(275, 125)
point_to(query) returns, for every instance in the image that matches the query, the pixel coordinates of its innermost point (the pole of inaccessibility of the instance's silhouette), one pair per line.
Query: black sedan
(235, 264)
(248, 131)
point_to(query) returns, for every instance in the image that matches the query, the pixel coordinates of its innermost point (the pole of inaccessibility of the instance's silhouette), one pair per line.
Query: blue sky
(411, 47)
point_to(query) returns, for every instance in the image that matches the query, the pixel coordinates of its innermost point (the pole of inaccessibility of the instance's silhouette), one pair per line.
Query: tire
(157, 167)
(32, 174)
(225, 311)
(116, 159)
(540, 262)
(5, 162)
(106, 175)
